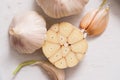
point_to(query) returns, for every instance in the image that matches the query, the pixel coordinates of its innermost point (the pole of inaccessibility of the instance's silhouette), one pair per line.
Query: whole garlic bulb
(27, 32)
(61, 8)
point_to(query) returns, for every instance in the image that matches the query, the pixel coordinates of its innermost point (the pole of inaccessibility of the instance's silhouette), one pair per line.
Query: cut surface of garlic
(95, 22)
(65, 45)
(61, 8)
(27, 32)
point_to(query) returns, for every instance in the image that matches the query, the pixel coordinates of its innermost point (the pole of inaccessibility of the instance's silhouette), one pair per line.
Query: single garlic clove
(99, 23)
(61, 8)
(27, 32)
(95, 22)
(86, 20)
(52, 71)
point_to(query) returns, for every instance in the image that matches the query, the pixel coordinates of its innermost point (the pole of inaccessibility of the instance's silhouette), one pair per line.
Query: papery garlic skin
(53, 72)
(61, 8)
(27, 32)
(95, 22)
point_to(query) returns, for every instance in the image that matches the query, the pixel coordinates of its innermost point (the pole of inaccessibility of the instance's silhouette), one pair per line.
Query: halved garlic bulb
(65, 45)
(61, 8)
(27, 32)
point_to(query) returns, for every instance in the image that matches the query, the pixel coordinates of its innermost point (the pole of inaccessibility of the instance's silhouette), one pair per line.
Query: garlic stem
(20, 66)
(102, 4)
(53, 72)
(107, 8)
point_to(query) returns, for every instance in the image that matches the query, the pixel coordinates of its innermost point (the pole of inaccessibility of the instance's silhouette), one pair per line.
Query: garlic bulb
(27, 32)
(95, 22)
(53, 72)
(61, 8)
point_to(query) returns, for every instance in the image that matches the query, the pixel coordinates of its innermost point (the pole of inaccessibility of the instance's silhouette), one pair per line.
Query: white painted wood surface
(102, 61)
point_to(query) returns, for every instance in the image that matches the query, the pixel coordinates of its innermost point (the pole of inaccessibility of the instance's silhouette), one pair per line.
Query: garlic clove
(61, 8)
(95, 22)
(27, 32)
(99, 23)
(52, 71)
(86, 20)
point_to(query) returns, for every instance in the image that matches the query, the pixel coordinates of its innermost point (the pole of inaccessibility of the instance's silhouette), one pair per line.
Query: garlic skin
(27, 32)
(62, 8)
(53, 72)
(95, 22)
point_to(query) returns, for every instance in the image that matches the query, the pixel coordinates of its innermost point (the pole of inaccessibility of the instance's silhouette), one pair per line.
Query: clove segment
(95, 22)
(53, 72)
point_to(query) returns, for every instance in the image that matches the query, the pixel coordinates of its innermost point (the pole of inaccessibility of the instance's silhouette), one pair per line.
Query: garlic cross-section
(65, 45)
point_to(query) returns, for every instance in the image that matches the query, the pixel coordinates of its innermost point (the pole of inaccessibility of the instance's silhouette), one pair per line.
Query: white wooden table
(102, 61)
